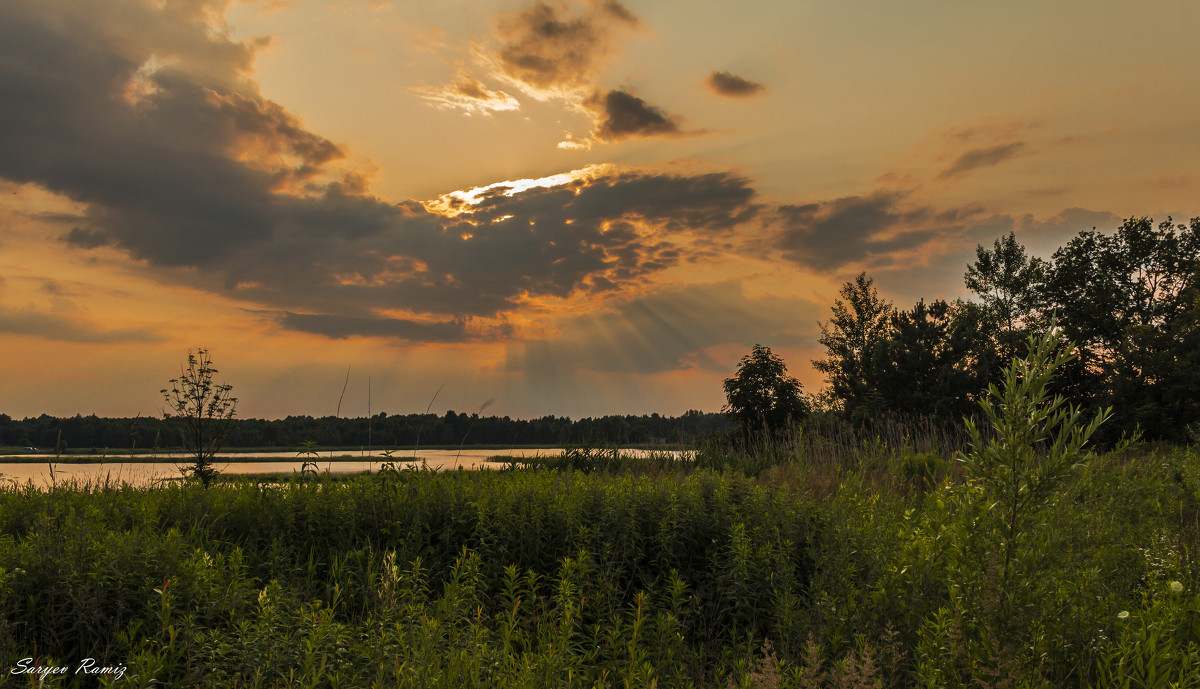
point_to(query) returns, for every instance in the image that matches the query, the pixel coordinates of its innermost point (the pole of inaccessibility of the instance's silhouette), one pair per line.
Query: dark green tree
(936, 360)
(1130, 301)
(761, 396)
(202, 410)
(1006, 280)
(861, 322)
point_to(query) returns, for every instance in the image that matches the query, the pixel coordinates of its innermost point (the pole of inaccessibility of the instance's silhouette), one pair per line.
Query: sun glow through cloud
(458, 202)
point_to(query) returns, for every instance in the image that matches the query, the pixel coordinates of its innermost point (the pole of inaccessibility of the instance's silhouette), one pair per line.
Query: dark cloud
(549, 52)
(981, 157)
(279, 143)
(731, 85)
(199, 171)
(620, 115)
(855, 229)
(86, 239)
(666, 331)
(545, 48)
(593, 235)
(66, 328)
(340, 327)
(706, 203)
(181, 175)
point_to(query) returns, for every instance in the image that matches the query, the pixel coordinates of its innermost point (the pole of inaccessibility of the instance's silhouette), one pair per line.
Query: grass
(588, 572)
(111, 572)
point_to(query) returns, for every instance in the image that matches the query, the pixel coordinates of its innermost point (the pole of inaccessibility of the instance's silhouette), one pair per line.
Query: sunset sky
(577, 208)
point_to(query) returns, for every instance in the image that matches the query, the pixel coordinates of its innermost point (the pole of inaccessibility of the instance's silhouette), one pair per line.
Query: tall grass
(189, 584)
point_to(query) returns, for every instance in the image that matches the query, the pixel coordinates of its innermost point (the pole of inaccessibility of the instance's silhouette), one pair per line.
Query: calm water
(140, 472)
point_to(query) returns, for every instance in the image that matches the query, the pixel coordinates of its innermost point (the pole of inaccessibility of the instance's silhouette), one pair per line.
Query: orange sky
(581, 209)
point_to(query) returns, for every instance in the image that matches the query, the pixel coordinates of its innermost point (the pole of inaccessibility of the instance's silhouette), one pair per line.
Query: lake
(140, 470)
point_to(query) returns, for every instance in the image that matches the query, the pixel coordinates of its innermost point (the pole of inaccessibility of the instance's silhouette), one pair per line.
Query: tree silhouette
(935, 361)
(1006, 280)
(202, 409)
(1131, 300)
(761, 396)
(861, 322)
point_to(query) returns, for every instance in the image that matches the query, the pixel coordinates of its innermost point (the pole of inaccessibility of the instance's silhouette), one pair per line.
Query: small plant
(1156, 646)
(923, 468)
(308, 450)
(1037, 443)
(202, 410)
(1001, 528)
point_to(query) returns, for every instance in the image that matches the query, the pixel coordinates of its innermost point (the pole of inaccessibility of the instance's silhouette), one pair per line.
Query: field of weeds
(876, 572)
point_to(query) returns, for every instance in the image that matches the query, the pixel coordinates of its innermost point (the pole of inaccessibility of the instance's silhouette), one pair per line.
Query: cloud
(470, 95)
(548, 51)
(457, 259)
(981, 157)
(185, 176)
(341, 327)
(863, 230)
(202, 173)
(733, 86)
(67, 328)
(206, 182)
(619, 115)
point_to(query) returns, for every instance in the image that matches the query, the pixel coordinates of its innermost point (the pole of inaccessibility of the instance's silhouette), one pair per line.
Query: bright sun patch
(458, 202)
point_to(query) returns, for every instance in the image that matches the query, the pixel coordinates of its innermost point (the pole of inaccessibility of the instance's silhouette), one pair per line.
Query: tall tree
(936, 360)
(1006, 280)
(1129, 299)
(761, 395)
(861, 320)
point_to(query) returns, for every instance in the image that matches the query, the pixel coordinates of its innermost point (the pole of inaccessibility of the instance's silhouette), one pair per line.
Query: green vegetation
(815, 560)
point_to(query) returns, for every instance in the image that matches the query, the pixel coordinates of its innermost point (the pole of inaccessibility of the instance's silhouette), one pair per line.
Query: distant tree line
(1130, 300)
(380, 431)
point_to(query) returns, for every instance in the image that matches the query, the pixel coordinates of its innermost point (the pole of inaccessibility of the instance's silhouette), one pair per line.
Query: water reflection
(141, 471)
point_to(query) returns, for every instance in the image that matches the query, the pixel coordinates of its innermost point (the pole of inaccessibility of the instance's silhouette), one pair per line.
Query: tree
(761, 396)
(1006, 280)
(861, 320)
(935, 361)
(1130, 301)
(202, 410)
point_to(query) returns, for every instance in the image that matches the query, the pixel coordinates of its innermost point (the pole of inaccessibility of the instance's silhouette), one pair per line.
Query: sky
(578, 208)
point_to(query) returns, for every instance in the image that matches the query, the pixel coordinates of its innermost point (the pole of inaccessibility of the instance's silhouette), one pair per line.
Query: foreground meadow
(907, 556)
(599, 571)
